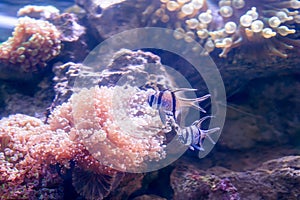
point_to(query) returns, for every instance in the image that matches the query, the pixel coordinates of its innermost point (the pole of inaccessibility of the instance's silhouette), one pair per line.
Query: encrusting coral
(33, 44)
(274, 178)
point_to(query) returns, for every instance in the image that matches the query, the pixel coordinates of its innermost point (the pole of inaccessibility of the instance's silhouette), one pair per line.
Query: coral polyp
(227, 24)
(116, 125)
(34, 42)
(28, 148)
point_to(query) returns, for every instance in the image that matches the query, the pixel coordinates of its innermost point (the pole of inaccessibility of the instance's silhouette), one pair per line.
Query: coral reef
(37, 39)
(39, 12)
(262, 121)
(88, 168)
(27, 148)
(66, 23)
(65, 76)
(31, 98)
(33, 44)
(111, 17)
(263, 26)
(228, 24)
(129, 184)
(29, 152)
(125, 64)
(95, 117)
(93, 185)
(72, 34)
(275, 178)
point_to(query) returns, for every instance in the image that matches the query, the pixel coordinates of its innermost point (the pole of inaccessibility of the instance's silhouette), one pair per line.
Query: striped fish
(194, 136)
(169, 104)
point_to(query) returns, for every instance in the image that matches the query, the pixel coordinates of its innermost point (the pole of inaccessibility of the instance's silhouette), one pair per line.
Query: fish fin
(184, 90)
(193, 102)
(178, 116)
(198, 99)
(199, 148)
(200, 121)
(162, 116)
(192, 148)
(211, 140)
(208, 132)
(194, 105)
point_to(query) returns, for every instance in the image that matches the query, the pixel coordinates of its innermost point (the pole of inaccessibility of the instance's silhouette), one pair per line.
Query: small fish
(169, 104)
(194, 136)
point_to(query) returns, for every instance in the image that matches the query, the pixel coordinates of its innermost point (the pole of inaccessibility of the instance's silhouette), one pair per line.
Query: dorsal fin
(183, 90)
(193, 102)
(200, 121)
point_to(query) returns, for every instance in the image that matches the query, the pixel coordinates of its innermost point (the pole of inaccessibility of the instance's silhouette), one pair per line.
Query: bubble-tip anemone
(116, 125)
(245, 22)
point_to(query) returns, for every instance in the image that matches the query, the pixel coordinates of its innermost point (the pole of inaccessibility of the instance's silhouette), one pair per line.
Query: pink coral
(44, 12)
(66, 23)
(88, 130)
(95, 119)
(28, 151)
(28, 147)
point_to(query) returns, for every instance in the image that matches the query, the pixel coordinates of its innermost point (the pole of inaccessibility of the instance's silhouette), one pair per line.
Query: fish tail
(210, 131)
(191, 103)
(211, 140)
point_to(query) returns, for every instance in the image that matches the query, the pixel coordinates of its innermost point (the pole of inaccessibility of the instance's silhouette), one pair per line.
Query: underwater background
(45, 122)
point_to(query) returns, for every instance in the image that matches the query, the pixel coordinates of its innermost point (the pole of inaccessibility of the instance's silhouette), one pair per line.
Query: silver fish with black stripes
(193, 136)
(168, 103)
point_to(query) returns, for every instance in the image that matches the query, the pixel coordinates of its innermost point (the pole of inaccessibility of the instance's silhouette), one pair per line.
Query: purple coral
(226, 186)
